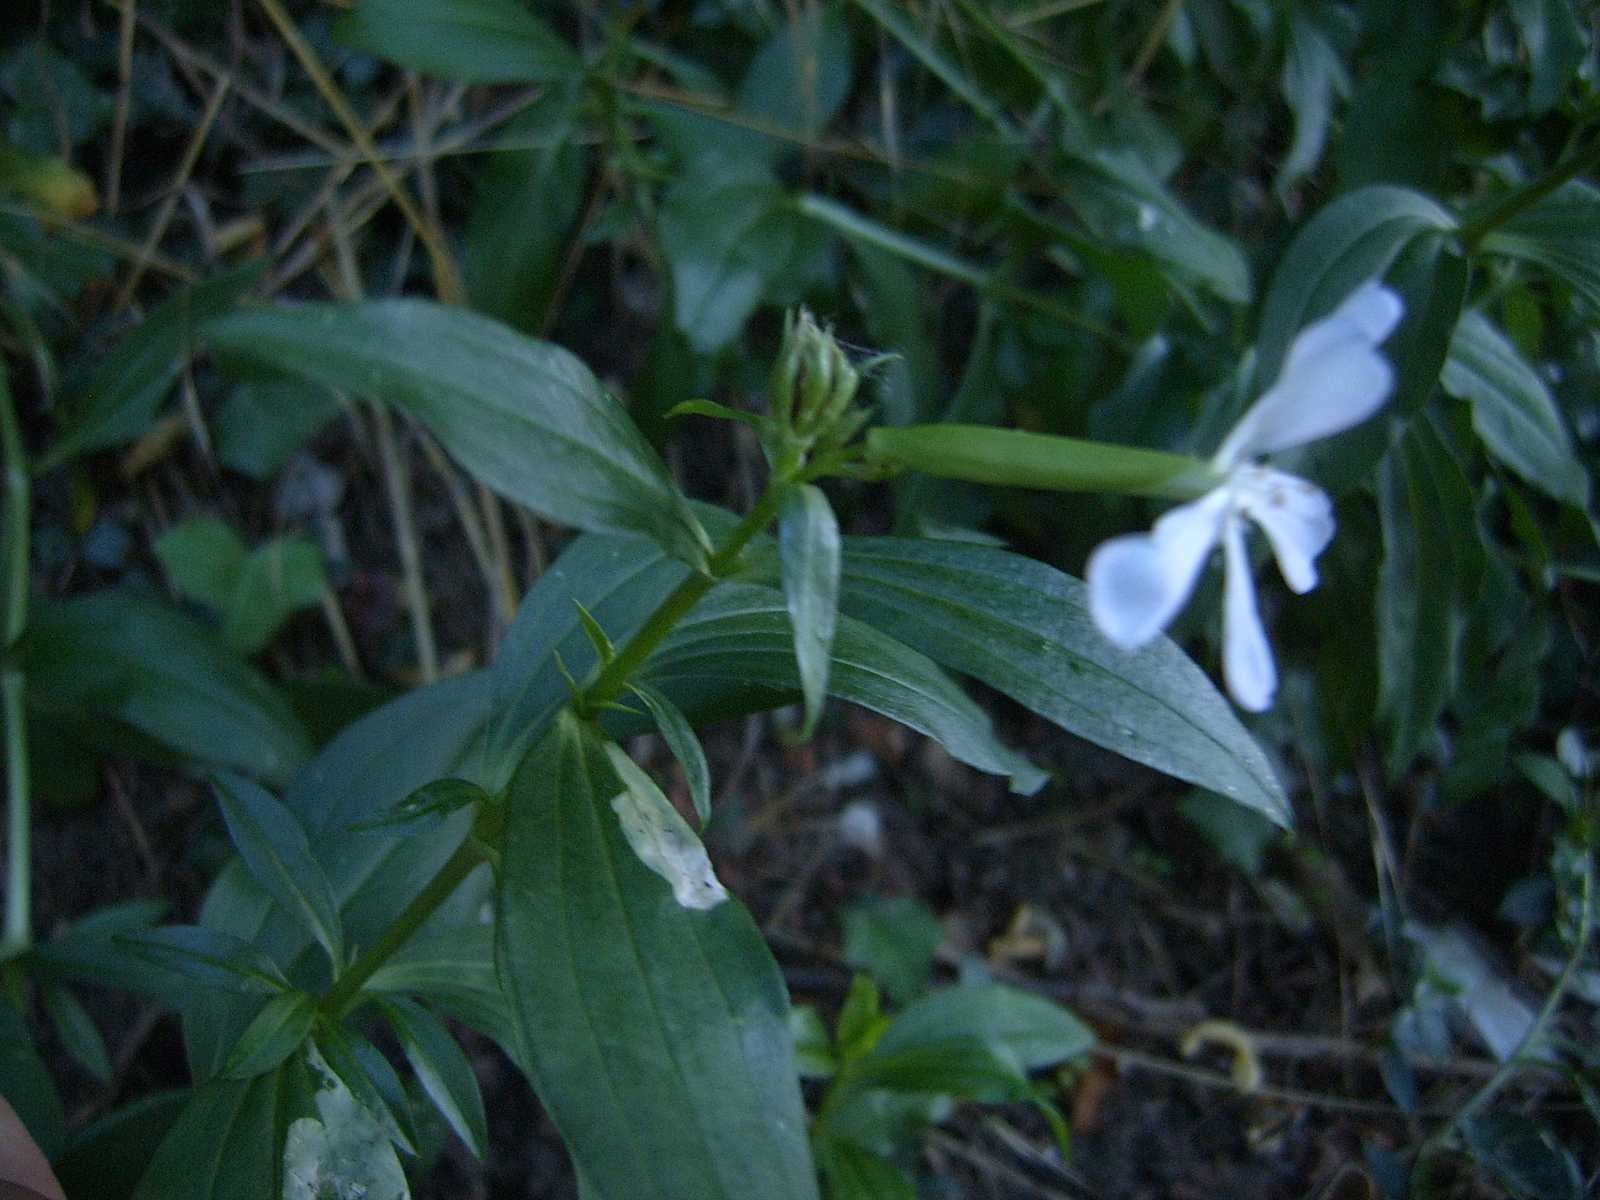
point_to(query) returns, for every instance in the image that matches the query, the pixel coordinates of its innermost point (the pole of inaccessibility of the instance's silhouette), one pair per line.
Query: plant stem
(1525, 197)
(18, 930)
(1516, 1061)
(343, 995)
(608, 685)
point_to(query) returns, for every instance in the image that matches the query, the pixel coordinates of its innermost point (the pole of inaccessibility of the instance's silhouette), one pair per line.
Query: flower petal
(1247, 664)
(1137, 583)
(1296, 516)
(1333, 378)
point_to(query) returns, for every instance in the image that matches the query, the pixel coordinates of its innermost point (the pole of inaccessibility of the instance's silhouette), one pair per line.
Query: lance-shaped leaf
(808, 547)
(1557, 234)
(442, 1069)
(426, 808)
(1023, 628)
(117, 399)
(371, 1081)
(225, 1142)
(680, 738)
(1512, 410)
(79, 1035)
(1347, 243)
(274, 847)
(655, 1035)
(277, 1032)
(210, 957)
(523, 416)
(121, 656)
(1432, 560)
(735, 653)
(475, 41)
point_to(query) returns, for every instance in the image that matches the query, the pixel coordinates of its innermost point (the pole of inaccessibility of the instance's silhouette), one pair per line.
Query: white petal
(1246, 657)
(1333, 378)
(1296, 516)
(1138, 583)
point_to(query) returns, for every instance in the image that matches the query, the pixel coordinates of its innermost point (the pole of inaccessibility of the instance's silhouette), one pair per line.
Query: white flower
(1333, 378)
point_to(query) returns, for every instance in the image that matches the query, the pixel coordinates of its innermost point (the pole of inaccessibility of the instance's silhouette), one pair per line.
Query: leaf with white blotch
(660, 837)
(655, 1035)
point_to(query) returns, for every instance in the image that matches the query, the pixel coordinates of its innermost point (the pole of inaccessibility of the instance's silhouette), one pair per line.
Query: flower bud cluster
(813, 390)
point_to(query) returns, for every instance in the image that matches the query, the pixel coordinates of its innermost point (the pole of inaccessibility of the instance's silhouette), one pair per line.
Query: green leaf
(1557, 234)
(1425, 508)
(685, 746)
(1238, 835)
(498, 401)
(728, 232)
(431, 733)
(861, 1020)
(1023, 628)
(1036, 1031)
(76, 1029)
(735, 652)
(274, 847)
(1553, 36)
(955, 1066)
(524, 207)
(813, 1051)
(808, 548)
(278, 1031)
(1123, 202)
(25, 1082)
(426, 808)
(454, 970)
(371, 1081)
(1348, 242)
(801, 75)
(655, 1035)
(1313, 74)
(442, 1069)
(475, 41)
(127, 657)
(209, 957)
(900, 25)
(855, 1173)
(1524, 1155)
(118, 399)
(1512, 410)
(1430, 277)
(225, 1143)
(255, 591)
(264, 421)
(100, 1160)
(895, 939)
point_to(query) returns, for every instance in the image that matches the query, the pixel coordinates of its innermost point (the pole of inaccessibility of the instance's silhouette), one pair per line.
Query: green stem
(1525, 197)
(345, 993)
(18, 931)
(1515, 1062)
(614, 677)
